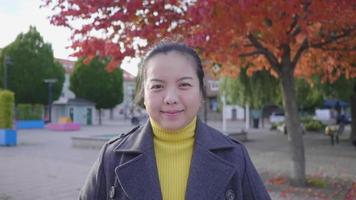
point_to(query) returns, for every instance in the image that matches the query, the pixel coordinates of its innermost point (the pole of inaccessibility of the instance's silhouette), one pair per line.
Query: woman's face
(171, 90)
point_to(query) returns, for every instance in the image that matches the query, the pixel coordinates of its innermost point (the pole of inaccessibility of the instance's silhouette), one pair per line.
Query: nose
(171, 97)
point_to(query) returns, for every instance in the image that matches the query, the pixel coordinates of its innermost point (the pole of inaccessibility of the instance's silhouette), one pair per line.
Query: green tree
(340, 89)
(256, 90)
(261, 88)
(308, 93)
(94, 83)
(32, 61)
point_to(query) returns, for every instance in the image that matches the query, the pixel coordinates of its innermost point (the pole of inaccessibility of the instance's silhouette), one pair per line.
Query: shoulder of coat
(221, 136)
(123, 135)
(234, 141)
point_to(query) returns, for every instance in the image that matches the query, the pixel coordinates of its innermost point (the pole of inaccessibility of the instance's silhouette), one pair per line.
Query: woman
(174, 155)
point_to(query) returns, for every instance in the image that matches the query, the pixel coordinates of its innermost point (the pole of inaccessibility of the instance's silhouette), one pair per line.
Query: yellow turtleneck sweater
(173, 150)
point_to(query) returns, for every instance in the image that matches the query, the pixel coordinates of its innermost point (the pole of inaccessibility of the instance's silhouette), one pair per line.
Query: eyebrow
(185, 78)
(156, 80)
(180, 79)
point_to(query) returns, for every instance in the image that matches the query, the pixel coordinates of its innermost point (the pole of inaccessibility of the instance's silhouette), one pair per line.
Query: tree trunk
(112, 113)
(353, 116)
(294, 129)
(99, 116)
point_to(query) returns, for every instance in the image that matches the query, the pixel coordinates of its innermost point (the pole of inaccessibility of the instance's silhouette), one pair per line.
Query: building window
(213, 85)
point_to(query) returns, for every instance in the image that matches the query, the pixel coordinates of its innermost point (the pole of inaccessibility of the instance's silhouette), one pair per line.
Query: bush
(317, 182)
(7, 99)
(275, 125)
(313, 125)
(29, 112)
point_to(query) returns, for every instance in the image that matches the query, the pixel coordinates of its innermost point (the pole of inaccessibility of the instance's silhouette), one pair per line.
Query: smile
(172, 112)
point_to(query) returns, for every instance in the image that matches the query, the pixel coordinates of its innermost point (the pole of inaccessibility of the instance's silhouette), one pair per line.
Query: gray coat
(220, 169)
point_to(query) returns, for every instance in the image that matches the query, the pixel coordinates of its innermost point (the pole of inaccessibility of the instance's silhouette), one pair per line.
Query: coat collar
(209, 174)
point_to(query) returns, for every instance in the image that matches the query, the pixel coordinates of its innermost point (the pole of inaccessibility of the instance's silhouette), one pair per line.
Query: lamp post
(50, 83)
(7, 62)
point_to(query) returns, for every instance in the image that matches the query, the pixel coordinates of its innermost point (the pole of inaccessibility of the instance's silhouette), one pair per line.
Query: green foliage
(32, 61)
(309, 94)
(257, 90)
(29, 112)
(94, 83)
(312, 124)
(275, 125)
(261, 88)
(317, 182)
(6, 109)
(342, 88)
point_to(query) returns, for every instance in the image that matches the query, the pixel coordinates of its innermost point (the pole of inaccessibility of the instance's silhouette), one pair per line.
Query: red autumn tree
(294, 38)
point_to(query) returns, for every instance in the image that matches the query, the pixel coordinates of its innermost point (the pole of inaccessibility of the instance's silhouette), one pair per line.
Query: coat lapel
(209, 174)
(137, 174)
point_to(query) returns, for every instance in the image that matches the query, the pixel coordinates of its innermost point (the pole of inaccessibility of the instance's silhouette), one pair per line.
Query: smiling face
(172, 94)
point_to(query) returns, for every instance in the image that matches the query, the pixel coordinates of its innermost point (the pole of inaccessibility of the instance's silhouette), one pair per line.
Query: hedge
(29, 112)
(7, 99)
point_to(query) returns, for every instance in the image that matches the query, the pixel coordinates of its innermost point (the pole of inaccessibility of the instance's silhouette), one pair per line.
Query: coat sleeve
(253, 187)
(95, 185)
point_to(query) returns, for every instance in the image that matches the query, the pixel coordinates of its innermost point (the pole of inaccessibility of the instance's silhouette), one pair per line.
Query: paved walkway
(45, 166)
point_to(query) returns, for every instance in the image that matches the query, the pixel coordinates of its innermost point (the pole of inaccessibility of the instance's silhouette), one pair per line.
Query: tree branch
(250, 53)
(339, 49)
(300, 51)
(263, 50)
(293, 26)
(296, 31)
(332, 39)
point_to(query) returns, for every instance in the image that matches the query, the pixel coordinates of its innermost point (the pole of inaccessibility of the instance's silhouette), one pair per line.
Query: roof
(75, 101)
(67, 64)
(128, 76)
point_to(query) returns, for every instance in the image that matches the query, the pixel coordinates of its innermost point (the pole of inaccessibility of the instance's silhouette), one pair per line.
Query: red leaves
(88, 59)
(279, 180)
(221, 27)
(351, 195)
(133, 5)
(318, 187)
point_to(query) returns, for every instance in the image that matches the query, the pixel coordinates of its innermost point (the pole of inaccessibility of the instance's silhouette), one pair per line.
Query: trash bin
(255, 122)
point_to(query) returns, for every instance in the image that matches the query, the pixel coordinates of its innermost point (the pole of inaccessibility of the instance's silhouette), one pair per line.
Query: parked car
(276, 117)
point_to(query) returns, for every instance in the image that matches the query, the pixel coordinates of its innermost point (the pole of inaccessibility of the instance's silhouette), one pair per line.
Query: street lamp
(50, 83)
(7, 62)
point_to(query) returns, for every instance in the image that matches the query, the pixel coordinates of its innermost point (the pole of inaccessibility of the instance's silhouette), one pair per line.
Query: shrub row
(29, 112)
(309, 124)
(7, 100)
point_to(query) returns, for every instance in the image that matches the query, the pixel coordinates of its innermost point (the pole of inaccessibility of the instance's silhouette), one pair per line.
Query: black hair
(164, 48)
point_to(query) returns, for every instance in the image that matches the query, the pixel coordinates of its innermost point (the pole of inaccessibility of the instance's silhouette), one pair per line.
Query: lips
(171, 112)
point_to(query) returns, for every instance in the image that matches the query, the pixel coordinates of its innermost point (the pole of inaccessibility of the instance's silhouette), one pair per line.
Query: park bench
(334, 131)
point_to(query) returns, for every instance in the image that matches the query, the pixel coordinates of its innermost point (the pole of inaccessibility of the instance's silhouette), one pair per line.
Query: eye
(185, 85)
(156, 87)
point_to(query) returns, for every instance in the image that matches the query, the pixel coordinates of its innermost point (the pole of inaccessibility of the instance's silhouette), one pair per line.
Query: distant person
(338, 112)
(174, 156)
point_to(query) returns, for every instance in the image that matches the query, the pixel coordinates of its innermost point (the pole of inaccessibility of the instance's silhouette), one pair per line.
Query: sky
(16, 16)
